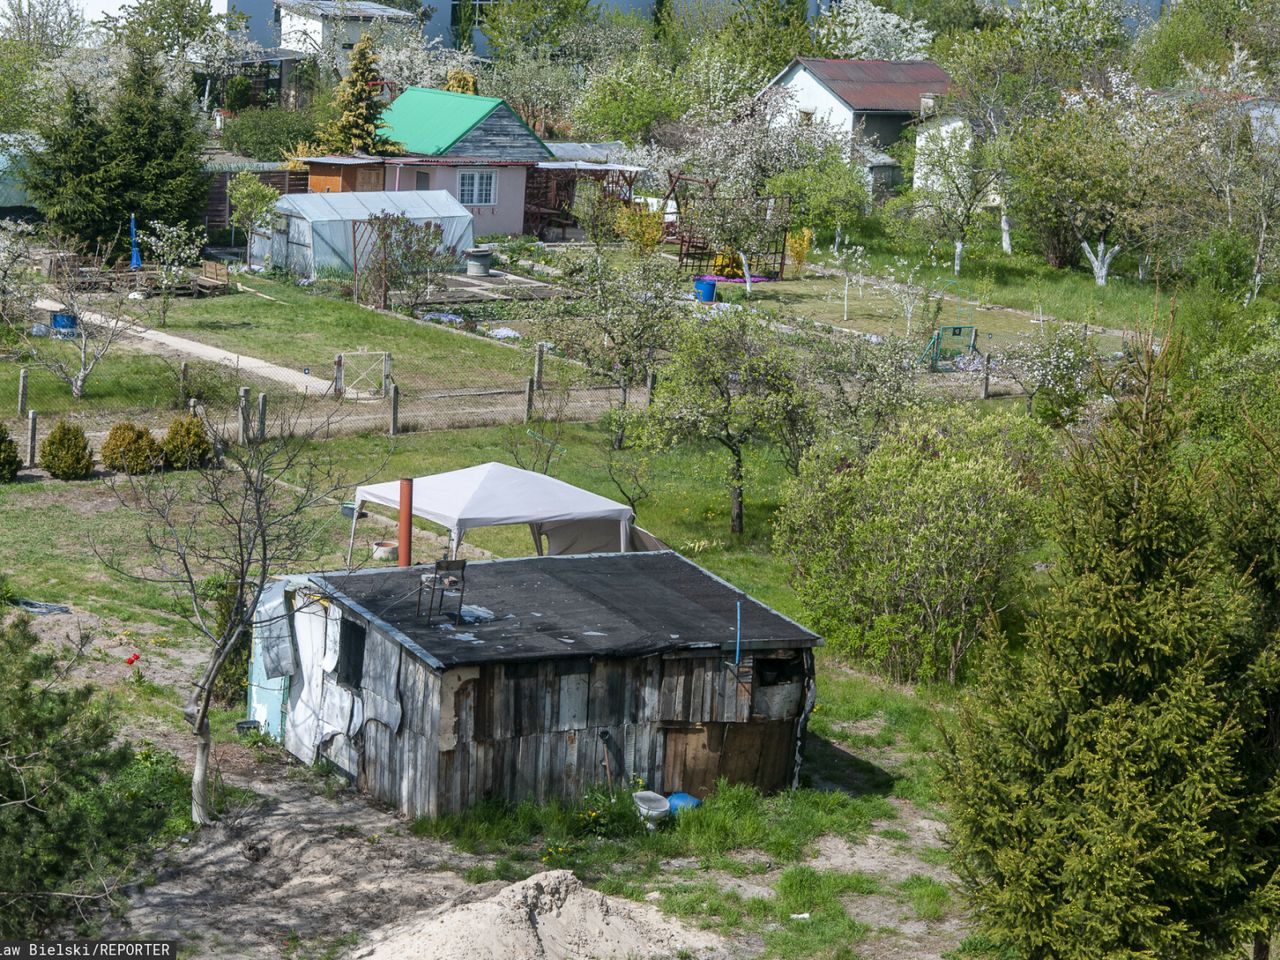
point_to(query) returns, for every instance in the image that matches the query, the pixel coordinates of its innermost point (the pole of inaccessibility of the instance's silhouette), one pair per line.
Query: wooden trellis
(761, 222)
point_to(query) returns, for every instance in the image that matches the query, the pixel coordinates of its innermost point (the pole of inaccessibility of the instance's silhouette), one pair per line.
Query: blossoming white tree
(862, 30)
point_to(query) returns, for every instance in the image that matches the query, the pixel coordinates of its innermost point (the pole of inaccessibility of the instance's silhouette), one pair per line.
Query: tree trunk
(1262, 946)
(1101, 260)
(746, 272)
(200, 812)
(620, 434)
(959, 253)
(735, 492)
(1006, 241)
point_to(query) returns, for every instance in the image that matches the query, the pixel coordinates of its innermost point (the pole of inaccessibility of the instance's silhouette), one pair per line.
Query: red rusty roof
(890, 85)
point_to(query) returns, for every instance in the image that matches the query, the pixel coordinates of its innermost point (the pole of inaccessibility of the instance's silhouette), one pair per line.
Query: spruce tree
(156, 147)
(1105, 792)
(67, 171)
(358, 126)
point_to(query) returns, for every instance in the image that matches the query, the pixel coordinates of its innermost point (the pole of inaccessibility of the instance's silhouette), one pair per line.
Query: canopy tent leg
(351, 544)
(537, 538)
(625, 527)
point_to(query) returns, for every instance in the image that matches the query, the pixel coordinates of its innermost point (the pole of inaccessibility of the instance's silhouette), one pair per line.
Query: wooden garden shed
(559, 672)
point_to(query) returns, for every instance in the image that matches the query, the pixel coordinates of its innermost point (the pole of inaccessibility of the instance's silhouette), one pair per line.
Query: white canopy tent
(494, 494)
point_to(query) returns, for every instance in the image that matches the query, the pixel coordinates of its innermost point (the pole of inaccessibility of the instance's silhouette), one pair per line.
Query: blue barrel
(682, 801)
(705, 290)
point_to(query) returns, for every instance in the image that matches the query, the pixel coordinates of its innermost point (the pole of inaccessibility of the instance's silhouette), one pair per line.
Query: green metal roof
(431, 121)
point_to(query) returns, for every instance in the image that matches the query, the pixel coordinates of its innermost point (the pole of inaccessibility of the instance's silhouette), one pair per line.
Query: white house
(314, 25)
(881, 96)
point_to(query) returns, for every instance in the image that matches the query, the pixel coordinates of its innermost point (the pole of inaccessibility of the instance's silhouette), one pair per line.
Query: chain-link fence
(151, 380)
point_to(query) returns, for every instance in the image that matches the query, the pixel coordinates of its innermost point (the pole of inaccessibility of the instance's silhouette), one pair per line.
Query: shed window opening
(774, 672)
(422, 180)
(350, 669)
(476, 188)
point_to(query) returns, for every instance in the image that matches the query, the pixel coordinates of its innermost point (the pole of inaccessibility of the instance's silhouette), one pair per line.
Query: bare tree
(249, 514)
(76, 283)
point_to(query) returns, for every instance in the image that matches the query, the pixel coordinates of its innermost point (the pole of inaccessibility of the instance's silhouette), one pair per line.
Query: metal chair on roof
(446, 575)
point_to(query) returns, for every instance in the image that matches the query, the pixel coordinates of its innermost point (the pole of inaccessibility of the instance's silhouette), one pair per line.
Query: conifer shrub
(10, 462)
(65, 452)
(132, 449)
(186, 445)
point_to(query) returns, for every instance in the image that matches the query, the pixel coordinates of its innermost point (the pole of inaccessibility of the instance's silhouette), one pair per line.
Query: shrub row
(65, 453)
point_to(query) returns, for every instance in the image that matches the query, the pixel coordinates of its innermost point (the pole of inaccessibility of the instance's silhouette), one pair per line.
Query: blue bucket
(705, 290)
(682, 801)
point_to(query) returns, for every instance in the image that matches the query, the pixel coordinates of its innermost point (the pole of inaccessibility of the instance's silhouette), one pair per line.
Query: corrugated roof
(590, 152)
(889, 85)
(431, 121)
(362, 204)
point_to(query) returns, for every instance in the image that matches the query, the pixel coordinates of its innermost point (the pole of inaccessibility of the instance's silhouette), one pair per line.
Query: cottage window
(422, 180)
(477, 12)
(350, 670)
(476, 188)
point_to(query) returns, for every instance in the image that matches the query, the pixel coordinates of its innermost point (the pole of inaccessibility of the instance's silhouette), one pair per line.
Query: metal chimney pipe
(405, 550)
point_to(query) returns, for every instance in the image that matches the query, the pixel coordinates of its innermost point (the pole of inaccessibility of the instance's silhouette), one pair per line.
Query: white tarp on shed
(493, 494)
(312, 232)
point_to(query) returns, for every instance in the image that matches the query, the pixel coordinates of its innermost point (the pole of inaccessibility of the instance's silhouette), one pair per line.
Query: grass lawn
(301, 329)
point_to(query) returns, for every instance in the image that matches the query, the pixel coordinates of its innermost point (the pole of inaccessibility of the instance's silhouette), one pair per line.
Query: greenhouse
(315, 234)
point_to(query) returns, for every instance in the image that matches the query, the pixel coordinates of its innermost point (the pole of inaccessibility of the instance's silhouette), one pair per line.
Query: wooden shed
(559, 673)
(344, 174)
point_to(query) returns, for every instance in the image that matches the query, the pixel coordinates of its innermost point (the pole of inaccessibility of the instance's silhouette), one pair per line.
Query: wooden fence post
(242, 433)
(31, 438)
(22, 392)
(191, 406)
(262, 417)
(395, 409)
(651, 382)
(528, 400)
(386, 374)
(183, 374)
(337, 377)
(986, 376)
(538, 352)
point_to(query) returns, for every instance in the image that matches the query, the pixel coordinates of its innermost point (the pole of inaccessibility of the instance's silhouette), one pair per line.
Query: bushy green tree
(627, 101)
(1104, 790)
(266, 133)
(731, 381)
(252, 203)
(17, 105)
(899, 556)
(512, 26)
(829, 195)
(358, 124)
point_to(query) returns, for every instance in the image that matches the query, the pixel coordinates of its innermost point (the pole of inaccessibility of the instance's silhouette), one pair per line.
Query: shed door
(692, 758)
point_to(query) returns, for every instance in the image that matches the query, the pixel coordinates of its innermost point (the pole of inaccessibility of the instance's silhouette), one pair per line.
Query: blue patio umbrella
(135, 257)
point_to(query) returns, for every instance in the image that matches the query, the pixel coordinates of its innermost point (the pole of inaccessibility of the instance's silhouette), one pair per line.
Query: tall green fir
(1111, 778)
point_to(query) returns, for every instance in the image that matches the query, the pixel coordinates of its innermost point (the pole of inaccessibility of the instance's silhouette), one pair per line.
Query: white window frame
(474, 175)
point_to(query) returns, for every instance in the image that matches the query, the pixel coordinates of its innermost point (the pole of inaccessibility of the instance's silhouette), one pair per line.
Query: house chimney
(405, 549)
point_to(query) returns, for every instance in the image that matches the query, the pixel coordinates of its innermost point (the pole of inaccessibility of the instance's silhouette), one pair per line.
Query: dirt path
(155, 341)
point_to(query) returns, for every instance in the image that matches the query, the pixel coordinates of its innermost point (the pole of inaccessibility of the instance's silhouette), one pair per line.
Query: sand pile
(550, 916)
